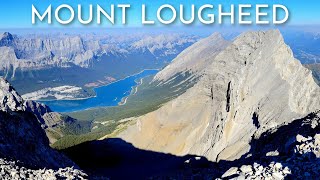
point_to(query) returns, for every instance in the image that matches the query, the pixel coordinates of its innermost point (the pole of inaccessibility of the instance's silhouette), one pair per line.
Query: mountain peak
(216, 35)
(6, 39)
(256, 38)
(6, 35)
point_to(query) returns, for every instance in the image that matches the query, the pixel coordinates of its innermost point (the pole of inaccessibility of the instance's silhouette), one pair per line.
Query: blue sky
(17, 13)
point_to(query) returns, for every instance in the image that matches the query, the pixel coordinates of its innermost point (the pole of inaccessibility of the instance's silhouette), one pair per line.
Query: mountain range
(58, 59)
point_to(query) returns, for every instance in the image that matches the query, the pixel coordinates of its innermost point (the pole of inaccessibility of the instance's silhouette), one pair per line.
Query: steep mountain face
(21, 136)
(20, 53)
(164, 47)
(46, 117)
(253, 85)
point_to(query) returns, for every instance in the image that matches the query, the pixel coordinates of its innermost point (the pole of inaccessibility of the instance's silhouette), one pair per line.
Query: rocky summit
(252, 85)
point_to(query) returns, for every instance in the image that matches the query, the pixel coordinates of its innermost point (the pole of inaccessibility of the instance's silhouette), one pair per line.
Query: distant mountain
(305, 45)
(253, 85)
(58, 60)
(315, 68)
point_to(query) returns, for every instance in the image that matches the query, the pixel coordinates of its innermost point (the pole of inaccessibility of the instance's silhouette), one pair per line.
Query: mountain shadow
(117, 159)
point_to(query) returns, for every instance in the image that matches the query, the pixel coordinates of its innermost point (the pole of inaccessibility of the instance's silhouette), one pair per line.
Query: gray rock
(246, 168)
(277, 176)
(301, 138)
(230, 172)
(9, 170)
(273, 153)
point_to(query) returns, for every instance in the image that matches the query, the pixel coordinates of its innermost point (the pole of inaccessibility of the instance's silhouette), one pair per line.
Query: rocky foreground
(10, 170)
(288, 152)
(304, 161)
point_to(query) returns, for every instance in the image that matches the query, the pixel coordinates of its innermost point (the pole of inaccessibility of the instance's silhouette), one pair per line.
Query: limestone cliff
(253, 85)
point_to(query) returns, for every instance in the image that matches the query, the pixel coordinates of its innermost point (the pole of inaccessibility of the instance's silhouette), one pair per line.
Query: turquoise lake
(109, 95)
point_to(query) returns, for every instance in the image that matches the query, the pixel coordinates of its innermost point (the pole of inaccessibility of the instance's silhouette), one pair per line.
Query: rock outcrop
(6, 39)
(10, 99)
(295, 153)
(253, 85)
(46, 117)
(21, 136)
(52, 122)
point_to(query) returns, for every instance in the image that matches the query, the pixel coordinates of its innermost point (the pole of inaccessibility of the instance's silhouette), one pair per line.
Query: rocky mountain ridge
(253, 85)
(195, 58)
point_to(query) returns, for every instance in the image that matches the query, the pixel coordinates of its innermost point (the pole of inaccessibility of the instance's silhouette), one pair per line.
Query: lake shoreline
(84, 98)
(111, 95)
(135, 89)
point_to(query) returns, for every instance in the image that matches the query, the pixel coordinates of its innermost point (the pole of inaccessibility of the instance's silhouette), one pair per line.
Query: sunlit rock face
(251, 86)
